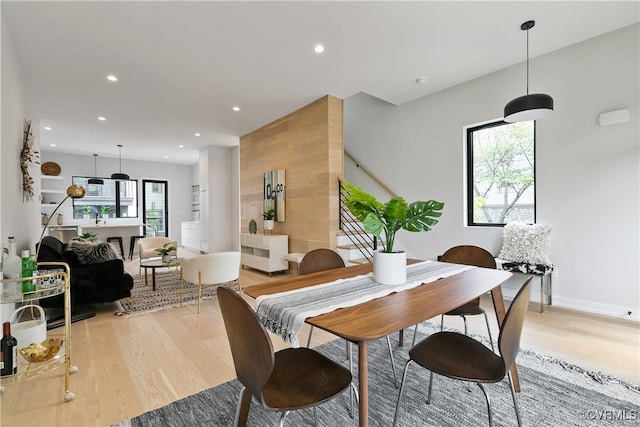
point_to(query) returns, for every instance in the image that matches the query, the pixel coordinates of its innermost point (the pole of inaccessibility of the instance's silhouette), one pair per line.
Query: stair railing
(355, 231)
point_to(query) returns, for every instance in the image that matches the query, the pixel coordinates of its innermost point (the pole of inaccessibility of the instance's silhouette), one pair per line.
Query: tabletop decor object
(268, 217)
(253, 227)
(389, 266)
(28, 156)
(165, 251)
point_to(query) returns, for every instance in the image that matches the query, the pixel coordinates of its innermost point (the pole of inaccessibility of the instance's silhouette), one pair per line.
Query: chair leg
(486, 319)
(441, 322)
(486, 396)
(415, 333)
(404, 376)
(242, 410)
(466, 328)
(310, 333)
(515, 399)
(284, 415)
(430, 387)
(393, 363)
(199, 289)
(352, 389)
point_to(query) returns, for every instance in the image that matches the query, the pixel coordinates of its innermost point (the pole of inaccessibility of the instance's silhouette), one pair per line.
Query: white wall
(587, 176)
(16, 216)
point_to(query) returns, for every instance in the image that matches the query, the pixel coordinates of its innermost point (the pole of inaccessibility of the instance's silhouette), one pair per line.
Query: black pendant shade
(530, 106)
(95, 180)
(119, 175)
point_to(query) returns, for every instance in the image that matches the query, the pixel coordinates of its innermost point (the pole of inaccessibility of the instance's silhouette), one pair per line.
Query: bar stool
(132, 245)
(119, 240)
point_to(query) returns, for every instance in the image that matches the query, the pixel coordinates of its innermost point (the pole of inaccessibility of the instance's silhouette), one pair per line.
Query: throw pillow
(530, 243)
(91, 251)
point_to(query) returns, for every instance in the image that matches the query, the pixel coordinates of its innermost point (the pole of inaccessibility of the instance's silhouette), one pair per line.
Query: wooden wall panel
(308, 144)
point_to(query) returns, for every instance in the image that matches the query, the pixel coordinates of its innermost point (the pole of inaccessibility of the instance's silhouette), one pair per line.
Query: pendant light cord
(527, 61)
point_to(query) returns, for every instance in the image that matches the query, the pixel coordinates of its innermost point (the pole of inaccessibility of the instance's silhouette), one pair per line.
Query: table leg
(363, 380)
(498, 305)
(146, 282)
(153, 278)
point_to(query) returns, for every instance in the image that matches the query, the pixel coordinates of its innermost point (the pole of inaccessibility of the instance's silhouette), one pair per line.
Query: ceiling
(182, 66)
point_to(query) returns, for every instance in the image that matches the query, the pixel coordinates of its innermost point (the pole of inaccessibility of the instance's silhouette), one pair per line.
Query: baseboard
(608, 310)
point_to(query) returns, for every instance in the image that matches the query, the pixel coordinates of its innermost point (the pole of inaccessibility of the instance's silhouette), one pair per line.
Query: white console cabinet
(264, 252)
(190, 234)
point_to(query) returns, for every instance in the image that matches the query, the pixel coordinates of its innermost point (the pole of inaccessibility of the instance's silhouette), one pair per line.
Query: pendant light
(530, 106)
(95, 180)
(119, 175)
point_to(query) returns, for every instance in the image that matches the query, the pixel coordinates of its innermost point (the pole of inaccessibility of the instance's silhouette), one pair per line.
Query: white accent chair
(219, 267)
(147, 247)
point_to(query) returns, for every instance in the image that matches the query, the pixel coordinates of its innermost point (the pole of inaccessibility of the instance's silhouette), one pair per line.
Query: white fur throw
(530, 243)
(91, 251)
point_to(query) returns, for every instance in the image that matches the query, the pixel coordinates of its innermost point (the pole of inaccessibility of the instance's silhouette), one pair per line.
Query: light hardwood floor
(128, 366)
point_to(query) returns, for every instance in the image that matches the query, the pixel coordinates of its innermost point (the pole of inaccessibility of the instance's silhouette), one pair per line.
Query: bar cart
(51, 279)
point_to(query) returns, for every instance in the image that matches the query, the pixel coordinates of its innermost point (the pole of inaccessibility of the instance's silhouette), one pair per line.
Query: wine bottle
(27, 271)
(9, 351)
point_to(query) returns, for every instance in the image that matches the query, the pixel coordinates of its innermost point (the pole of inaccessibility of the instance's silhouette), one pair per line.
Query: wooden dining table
(375, 319)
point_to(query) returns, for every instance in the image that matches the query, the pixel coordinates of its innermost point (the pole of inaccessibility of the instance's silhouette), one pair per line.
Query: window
(501, 173)
(115, 199)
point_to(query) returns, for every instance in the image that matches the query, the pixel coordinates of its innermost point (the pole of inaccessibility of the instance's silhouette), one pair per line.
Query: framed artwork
(274, 193)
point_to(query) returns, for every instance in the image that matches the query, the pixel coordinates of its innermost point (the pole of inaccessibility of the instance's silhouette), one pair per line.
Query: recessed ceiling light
(47, 127)
(165, 157)
(52, 145)
(197, 134)
(101, 118)
(181, 146)
(112, 78)
(421, 80)
(236, 108)
(318, 48)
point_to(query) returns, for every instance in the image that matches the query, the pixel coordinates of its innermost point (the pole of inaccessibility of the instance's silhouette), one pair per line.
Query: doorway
(155, 197)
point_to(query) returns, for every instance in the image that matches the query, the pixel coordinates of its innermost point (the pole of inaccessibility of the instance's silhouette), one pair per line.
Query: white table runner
(284, 313)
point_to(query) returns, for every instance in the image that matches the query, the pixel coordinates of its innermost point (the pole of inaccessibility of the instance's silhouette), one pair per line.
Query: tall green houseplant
(387, 219)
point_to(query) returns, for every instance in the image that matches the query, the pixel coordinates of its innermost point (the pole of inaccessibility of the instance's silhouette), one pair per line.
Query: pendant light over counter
(119, 175)
(95, 180)
(530, 106)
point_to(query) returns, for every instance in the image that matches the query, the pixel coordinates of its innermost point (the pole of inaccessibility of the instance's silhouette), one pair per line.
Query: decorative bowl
(43, 351)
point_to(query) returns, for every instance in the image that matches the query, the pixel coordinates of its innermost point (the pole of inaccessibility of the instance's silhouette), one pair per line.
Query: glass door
(156, 213)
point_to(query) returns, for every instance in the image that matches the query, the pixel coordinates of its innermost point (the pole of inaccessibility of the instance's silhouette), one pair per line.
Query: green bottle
(28, 266)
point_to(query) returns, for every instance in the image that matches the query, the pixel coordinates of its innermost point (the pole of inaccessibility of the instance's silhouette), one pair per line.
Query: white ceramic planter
(390, 268)
(166, 258)
(268, 224)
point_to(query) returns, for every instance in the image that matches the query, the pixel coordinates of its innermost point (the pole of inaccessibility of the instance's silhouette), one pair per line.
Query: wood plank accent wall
(308, 145)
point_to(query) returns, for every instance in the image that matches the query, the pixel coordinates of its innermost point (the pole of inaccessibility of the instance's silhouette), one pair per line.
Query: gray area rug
(554, 394)
(167, 294)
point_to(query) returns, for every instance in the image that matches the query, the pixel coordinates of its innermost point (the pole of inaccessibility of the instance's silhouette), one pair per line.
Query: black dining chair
(467, 255)
(290, 379)
(460, 357)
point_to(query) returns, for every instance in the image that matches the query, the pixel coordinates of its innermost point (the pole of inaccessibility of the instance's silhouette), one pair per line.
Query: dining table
(369, 321)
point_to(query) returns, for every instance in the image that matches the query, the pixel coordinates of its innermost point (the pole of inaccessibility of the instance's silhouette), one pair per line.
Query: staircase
(353, 243)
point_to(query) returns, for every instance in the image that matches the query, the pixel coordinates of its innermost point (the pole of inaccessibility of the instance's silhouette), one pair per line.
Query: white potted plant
(165, 251)
(86, 211)
(384, 221)
(268, 217)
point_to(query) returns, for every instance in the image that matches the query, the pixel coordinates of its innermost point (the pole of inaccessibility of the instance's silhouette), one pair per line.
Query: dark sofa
(90, 283)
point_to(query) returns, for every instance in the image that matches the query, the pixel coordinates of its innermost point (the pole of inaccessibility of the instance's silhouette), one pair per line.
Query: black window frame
(470, 176)
(82, 180)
